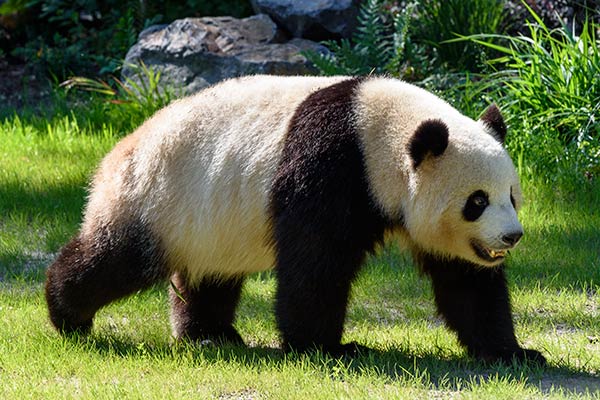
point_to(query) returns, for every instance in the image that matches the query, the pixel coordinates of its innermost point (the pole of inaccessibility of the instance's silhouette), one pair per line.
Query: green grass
(45, 167)
(554, 278)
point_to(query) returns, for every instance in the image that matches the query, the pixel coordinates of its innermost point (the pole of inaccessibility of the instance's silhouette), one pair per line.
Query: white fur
(200, 171)
(431, 198)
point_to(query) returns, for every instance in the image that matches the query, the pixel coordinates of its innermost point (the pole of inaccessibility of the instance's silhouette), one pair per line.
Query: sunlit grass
(554, 276)
(43, 177)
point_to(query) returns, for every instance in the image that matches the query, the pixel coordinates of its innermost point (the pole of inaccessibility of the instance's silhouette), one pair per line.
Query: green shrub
(549, 84)
(381, 44)
(413, 43)
(128, 103)
(441, 21)
(65, 37)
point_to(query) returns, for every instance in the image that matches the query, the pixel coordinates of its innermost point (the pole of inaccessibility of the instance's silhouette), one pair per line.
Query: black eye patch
(475, 205)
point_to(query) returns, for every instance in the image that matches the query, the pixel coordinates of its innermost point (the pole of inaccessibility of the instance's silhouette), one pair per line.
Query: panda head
(464, 189)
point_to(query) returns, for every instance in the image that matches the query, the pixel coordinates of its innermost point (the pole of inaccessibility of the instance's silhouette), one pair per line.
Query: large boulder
(193, 53)
(312, 19)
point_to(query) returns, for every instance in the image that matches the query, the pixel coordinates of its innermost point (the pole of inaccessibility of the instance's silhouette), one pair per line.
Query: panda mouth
(488, 254)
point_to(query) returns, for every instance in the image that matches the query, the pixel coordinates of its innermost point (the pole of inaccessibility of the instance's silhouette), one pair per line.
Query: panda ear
(430, 137)
(493, 119)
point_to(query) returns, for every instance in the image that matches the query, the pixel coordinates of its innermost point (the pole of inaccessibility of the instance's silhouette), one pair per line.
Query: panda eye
(480, 201)
(475, 206)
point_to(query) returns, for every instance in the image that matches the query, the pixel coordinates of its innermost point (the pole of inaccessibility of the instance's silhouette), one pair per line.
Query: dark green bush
(412, 41)
(87, 37)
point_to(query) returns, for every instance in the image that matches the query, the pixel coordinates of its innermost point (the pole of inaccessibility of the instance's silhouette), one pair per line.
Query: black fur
(430, 137)
(91, 272)
(474, 302)
(493, 118)
(205, 310)
(324, 221)
(512, 199)
(472, 210)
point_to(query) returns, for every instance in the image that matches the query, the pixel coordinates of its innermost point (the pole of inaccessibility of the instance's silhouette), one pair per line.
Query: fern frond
(378, 45)
(400, 40)
(327, 64)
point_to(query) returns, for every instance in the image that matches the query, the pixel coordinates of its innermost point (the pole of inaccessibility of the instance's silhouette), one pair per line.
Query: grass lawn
(554, 278)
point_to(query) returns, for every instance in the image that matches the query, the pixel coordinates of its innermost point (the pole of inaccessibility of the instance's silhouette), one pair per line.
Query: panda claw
(531, 356)
(521, 356)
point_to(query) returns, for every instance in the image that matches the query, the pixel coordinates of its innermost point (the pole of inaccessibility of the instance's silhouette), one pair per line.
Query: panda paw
(519, 355)
(208, 337)
(69, 326)
(74, 330)
(529, 356)
(349, 350)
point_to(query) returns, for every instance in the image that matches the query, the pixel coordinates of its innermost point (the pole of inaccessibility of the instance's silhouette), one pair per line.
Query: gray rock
(193, 53)
(312, 19)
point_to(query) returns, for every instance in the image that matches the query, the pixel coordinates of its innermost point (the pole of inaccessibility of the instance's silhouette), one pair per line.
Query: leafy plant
(135, 99)
(380, 44)
(441, 21)
(550, 84)
(413, 43)
(66, 37)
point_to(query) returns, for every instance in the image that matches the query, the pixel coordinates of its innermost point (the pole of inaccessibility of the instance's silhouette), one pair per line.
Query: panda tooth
(495, 254)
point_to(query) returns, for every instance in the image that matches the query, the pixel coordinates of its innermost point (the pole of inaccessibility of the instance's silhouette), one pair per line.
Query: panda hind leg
(205, 310)
(91, 272)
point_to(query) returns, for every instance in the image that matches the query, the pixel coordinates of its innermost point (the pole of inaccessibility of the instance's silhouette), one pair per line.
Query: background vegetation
(544, 76)
(545, 80)
(65, 37)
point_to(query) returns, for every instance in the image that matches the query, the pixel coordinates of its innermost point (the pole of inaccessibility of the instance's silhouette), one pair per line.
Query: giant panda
(305, 175)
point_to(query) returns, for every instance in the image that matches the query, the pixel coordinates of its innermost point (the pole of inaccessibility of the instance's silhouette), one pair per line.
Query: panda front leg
(475, 303)
(312, 296)
(205, 310)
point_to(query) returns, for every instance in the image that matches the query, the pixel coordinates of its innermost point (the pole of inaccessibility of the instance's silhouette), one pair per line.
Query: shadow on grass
(402, 364)
(35, 224)
(452, 374)
(53, 201)
(557, 258)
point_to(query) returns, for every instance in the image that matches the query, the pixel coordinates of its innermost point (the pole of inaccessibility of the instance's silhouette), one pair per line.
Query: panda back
(202, 172)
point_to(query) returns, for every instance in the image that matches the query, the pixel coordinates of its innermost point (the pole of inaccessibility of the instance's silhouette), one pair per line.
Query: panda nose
(512, 238)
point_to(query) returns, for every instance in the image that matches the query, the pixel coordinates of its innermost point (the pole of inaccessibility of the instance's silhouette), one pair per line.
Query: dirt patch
(245, 394)
(571, 385)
